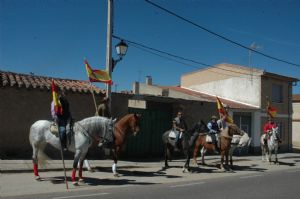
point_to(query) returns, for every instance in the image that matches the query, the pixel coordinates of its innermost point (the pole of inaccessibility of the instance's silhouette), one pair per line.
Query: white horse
(272, 145)
(85, 131)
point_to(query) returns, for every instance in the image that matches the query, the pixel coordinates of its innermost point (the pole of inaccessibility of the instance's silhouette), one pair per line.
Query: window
(277, 94)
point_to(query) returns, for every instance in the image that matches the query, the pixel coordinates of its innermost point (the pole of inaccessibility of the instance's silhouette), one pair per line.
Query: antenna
(253, 46)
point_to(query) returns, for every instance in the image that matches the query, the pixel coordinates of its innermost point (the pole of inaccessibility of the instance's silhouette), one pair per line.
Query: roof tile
(26, 81)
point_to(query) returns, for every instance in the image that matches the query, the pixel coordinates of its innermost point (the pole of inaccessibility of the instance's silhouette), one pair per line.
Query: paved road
(250, 173)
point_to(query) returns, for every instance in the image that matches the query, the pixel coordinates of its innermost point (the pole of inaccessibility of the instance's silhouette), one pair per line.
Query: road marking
(292, 171)
(185, 185)
(253, 176)
(80, 196)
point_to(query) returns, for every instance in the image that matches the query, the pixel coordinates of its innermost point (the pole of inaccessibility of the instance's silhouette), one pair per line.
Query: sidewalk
(22, 166)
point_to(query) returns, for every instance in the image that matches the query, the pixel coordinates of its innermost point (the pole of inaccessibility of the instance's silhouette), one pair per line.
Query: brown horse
(126, 125)
(225, 139)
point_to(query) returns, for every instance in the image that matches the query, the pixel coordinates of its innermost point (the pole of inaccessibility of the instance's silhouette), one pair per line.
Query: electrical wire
(219, 35)
(152, 50)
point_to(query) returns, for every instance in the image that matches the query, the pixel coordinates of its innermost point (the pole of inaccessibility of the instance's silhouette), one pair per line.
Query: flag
(271, 110)
(223, 111)
(57, 105)
(97, 75)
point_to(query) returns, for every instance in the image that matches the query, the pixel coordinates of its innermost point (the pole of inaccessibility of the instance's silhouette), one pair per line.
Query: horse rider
(62, 120)
(268, 128)
(199, 127)
(103, 110)
(179, 126)
(213, 128)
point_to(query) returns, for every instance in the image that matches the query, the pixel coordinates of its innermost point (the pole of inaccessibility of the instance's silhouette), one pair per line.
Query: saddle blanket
(208, 139)
(173, 134)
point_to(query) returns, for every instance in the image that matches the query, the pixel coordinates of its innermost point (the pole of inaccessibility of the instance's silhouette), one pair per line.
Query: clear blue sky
(52, 37)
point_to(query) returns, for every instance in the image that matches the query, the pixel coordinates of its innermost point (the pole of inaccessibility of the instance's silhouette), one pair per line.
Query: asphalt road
(269, 185)
(251, 178)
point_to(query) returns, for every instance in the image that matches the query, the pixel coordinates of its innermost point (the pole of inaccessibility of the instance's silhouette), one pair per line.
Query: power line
(219, 35)
(156, 52)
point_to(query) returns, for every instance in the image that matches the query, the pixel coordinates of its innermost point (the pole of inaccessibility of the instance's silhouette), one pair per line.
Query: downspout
(289, 117)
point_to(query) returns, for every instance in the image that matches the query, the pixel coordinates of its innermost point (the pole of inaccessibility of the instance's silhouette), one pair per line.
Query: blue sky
(52, 37)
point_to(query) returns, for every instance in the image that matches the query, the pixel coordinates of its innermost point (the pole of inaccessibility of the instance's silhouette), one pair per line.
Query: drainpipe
(289, 116)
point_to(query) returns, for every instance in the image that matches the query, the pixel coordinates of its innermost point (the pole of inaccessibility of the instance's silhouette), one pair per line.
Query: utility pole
(109, 48)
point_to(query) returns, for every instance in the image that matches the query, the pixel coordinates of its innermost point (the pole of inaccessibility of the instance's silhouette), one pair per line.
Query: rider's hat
(214, 117)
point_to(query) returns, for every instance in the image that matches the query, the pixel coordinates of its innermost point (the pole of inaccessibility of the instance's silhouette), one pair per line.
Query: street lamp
(121, 48)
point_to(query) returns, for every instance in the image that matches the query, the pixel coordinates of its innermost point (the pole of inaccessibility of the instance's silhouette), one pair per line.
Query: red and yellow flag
(271, 110)
(57, 106)
(97, 75)
(223, 111)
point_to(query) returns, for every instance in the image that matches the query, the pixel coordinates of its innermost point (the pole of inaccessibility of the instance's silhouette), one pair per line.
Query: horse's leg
(187, 162)
(115, 159)
(203, 151)
(167, 155)
(75, 163)
(276, 151)
(195, 153)
(222, 160)
(230, 156)
(262, 153)
(35, 161)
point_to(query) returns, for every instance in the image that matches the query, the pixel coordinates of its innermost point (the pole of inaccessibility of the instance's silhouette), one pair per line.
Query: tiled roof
(210, 98)
(11, 79)
(296, 98)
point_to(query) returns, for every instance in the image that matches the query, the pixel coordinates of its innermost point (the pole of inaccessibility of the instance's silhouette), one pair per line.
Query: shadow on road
(96, 181)
(137, 173)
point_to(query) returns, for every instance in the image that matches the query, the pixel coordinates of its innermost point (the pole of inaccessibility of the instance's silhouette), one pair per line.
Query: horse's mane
(124, 118)
(92, 123)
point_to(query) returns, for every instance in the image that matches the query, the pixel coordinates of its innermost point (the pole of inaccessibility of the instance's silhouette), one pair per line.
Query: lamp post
(120, 47)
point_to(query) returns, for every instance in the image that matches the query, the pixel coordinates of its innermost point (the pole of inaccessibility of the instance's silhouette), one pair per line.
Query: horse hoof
(75, 183)
(116, 175)
(81, 180)
(37, 178)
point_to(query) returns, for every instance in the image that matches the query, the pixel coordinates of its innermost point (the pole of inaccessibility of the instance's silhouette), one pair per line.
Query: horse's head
(274, 133)
(234, 130)
(245, 140)
(134, 123)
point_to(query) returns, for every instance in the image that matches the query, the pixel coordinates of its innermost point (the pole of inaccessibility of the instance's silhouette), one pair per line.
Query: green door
(148, 142)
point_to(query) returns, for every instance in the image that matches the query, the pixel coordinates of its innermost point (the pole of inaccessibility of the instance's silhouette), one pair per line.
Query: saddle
(54, 129)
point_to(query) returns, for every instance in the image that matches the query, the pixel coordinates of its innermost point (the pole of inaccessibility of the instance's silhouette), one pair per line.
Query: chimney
(148, 80)
(136, 88)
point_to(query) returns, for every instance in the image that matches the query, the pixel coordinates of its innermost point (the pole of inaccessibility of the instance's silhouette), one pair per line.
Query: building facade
(296, 122)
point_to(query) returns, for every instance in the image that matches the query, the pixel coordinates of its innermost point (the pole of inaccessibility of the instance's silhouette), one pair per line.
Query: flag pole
(54, 96)
(63, 161)
(92, 91)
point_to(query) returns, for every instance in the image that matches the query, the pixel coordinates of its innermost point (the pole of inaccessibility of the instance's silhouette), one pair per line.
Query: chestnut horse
(224, 138)
(123, 128)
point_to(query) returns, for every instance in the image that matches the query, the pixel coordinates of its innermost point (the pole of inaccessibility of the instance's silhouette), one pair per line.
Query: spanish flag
(222, 111)
(57, 105)
(97, 75)
(271, 110)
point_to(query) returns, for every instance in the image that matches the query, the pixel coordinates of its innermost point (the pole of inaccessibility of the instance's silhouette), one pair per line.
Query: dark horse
(186, 144)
